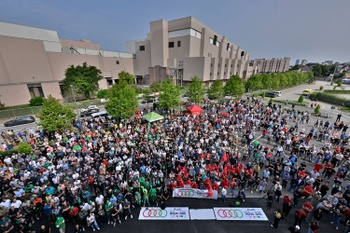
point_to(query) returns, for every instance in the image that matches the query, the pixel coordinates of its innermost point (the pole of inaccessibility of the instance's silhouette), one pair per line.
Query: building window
(211, 65)
(224, 73)
(179, 43)
(211, 74)
(142, 48)
(219, 65)
(218, 73)
(35, 89)
(225, 65)
(117, 62)
(171, 44)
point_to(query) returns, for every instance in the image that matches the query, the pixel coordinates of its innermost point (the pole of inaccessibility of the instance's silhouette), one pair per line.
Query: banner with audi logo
(194, 193)
(239, 214)
(169, 213)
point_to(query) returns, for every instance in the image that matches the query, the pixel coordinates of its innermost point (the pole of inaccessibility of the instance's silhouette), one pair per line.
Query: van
(99, 114)
(307, 91)
(270, 94)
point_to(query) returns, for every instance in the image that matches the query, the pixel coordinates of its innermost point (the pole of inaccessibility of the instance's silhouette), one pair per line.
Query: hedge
(9, 152)
(333, 99)
(337, 91)
(291, 102)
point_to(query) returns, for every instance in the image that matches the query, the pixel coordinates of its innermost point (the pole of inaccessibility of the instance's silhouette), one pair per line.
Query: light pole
(75, 101)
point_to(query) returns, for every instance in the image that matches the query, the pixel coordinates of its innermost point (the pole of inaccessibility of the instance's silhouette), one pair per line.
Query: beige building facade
(184, 48)
(274, 65)
(33, 62)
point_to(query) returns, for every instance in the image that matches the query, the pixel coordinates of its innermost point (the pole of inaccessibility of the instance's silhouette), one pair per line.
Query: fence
(17, 112)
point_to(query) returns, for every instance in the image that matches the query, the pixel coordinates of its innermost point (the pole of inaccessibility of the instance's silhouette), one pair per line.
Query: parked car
(90, 108)
(20, 121)
(148, 101)
(307, 91)
(279, 93)
(271, 94)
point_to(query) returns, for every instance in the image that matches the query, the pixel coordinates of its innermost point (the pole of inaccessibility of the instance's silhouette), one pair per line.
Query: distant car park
(20, 121)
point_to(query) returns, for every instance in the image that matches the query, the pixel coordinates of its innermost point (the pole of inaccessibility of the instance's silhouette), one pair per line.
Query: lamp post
(75, 101)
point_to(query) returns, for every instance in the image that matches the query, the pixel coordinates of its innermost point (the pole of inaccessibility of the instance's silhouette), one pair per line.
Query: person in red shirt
(233, 185)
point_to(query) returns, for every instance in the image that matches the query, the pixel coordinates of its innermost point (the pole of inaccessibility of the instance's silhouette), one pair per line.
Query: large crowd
(96, 173)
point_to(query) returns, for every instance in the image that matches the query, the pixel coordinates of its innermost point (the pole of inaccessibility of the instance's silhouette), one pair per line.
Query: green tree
(325, 70)
(125, 78)
(296, 67)
(254, 83)
(216, 90)
(103, 94)
(301, 99)
(156, 86)
(317, 110)
(55, 116)
(148, 94)
(122, 102)
(196, 90)
(317, 70)
(169, 96)
(234, 86)
(24, 148)
(83, 78)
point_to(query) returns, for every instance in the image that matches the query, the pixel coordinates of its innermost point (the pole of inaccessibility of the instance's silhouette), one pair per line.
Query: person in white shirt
(91, 221)
(16, 203)
(100, 199)
(223, 194)
(6, 203)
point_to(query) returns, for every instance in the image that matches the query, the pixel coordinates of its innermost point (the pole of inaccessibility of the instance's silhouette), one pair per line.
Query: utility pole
(75, 101)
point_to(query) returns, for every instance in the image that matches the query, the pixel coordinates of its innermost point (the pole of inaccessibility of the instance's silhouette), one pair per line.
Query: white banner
(194, 193)
(252, 214)
(169, 213)
(202, 214)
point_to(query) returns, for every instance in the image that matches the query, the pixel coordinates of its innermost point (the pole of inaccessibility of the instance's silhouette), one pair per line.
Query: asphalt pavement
(206, 226)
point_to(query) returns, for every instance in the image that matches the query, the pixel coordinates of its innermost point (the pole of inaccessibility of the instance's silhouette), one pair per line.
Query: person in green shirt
(153, 195)
(145, 197)
(109, 209)
(60, 224)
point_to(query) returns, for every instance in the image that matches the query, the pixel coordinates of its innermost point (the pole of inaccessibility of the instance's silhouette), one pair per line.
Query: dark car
(88, 112)
(20, 121)
(271, 94)
(148, 101)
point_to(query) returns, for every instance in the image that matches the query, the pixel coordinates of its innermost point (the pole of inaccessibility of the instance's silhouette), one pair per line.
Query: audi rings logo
(154, 213)
(229, 213)
(185, 193)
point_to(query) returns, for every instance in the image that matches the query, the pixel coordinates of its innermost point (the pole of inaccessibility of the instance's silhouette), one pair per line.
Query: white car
(278, 93)
(90, 108)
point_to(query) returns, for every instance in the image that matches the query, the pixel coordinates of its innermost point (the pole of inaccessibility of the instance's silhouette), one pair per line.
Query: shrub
(102, 94)
(263, 95)
(321, 88)
(338, 91)
(24, 148)
(301, 99)
(317, 110)
(9, 152)
(339, 83)
(2, 106)
(36, 101)
(270, 102)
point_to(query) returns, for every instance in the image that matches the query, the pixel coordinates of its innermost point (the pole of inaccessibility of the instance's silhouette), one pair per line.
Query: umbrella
(152, 116)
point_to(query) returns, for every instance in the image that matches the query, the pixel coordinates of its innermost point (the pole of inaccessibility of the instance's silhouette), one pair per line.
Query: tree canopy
(196, 90)
(55, 116)
(234, 86)
(84, 78)
(216, 90)
(169, 96)
(122, 102)
(125, 78)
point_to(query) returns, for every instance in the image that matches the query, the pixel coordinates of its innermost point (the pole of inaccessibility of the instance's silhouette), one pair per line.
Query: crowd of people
(95, 174)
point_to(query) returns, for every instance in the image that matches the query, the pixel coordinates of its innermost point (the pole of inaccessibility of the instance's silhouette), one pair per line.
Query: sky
(316, 30)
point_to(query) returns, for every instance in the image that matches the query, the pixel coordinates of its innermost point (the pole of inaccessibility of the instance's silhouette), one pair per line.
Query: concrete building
(274, 65)
(184, 48)
(303, 62)
(33, 62)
